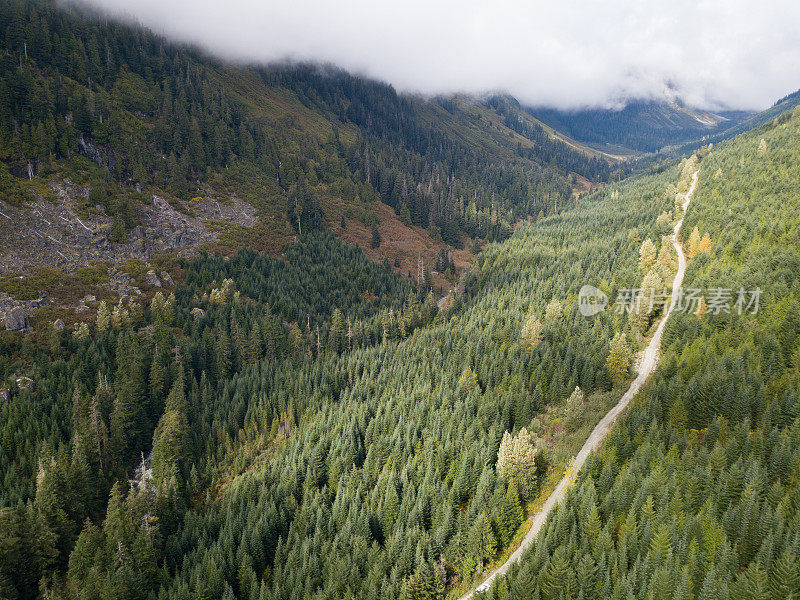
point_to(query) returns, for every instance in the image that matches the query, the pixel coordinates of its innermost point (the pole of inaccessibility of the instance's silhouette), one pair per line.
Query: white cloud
(739, 53)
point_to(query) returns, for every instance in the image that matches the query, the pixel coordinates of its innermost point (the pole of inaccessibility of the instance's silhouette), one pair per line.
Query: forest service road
(649, 362)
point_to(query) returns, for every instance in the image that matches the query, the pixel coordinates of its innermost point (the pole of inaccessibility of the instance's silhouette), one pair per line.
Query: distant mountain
(754, 121)
(640, 126)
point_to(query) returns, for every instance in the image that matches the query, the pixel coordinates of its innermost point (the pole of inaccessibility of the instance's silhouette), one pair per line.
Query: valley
(282, 331)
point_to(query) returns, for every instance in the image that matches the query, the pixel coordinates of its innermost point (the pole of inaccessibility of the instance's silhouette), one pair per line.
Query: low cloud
(734, 54)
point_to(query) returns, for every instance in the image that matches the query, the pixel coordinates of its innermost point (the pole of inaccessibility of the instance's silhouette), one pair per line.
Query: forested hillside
(277, 415)
(307, 146)
(317, 426)
(757, 120)
(167, 380)
(696, 492)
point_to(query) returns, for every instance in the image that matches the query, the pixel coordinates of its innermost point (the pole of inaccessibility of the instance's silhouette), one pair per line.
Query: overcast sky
(736, 53)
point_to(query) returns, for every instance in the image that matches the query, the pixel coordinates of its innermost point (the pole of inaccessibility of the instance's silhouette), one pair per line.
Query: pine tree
(553, 310)
(157, 378)
(784, 581)
(468, 382)
(593, 525)
(519, 459)
(222, 354)
(573, 408)
(336, 332)
(752, 584)
(559, 578)
(513, 513)
(127, 420)
(391, 509)
(488, 542)
(705, 244)
(171, 446)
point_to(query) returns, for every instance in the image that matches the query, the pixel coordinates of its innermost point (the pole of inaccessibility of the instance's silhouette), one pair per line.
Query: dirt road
(648, 364)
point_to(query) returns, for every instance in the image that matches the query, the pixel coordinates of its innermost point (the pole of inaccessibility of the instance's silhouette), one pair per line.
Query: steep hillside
(696, 493)
(313, 425)
(112, 135)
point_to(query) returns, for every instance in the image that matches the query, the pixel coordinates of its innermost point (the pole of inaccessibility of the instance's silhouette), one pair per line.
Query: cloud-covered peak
(736, 54)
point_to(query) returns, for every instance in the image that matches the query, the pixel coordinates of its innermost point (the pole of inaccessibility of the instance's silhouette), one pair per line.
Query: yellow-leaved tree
(531, 333)
(619, 359)
(520, 460)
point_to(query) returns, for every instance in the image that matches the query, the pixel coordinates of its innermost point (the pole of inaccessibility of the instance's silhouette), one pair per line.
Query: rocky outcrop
(14, 313)
(16, 320)
(152, 279)
(99, 155)
(63, 232)
(67, 234)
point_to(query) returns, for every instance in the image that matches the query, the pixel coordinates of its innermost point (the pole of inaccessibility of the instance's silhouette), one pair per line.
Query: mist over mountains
(713, 55)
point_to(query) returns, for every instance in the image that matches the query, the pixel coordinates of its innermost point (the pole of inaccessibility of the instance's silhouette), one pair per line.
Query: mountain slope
(128, 116)
(310, 424)
(695, 494)
(393, 491)
(647, 364)
(757, 120)
(348, 434)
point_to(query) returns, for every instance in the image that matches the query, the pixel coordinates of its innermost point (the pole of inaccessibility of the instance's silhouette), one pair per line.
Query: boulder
(197, 313)
(5, 395)
(166, 279)
(58, 325)
(26, 383)
(16, 320)
(152, 279)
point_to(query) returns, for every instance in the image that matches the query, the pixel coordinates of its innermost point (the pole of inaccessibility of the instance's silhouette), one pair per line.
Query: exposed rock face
(152, 279)
(94, 153)
(63, 232)
(10, 308)
(16, 319)
(66, 234)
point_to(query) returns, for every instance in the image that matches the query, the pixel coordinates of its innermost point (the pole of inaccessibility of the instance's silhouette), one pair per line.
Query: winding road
(648, 364)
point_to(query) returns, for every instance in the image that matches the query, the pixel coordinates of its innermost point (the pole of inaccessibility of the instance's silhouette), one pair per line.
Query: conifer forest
(327, 339)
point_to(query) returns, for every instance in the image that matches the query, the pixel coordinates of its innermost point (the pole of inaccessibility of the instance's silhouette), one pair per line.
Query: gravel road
(648, 364)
